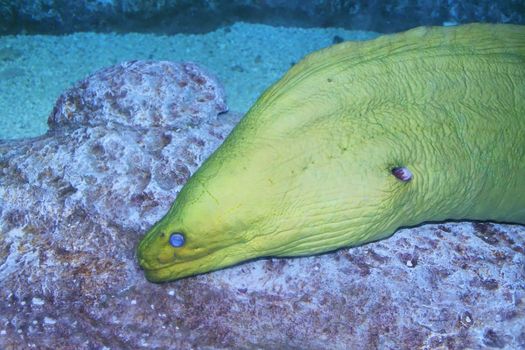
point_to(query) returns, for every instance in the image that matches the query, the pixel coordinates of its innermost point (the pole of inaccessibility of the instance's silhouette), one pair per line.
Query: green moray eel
(355, 141)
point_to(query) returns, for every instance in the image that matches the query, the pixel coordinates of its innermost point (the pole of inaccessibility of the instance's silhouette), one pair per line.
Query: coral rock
(141, 94)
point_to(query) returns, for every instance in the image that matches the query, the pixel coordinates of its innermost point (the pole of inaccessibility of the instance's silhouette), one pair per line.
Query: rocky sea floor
(247, 58)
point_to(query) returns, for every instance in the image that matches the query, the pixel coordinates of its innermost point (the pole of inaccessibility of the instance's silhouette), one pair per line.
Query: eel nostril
(402, 174)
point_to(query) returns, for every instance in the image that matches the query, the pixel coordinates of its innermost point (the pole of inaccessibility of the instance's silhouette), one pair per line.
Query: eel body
(318, 162)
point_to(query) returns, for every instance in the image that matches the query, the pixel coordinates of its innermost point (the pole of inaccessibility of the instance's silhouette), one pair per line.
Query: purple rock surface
(75, 202)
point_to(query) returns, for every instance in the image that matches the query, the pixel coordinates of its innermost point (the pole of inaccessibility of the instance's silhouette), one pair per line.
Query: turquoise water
(247, 58)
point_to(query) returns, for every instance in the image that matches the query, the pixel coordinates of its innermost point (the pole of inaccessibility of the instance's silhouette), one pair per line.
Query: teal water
(247, 58)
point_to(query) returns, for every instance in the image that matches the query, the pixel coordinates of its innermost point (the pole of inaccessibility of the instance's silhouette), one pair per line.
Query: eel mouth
(172, 271)
(191, 265)
(183, 269)
(156, 272)
(164, 274)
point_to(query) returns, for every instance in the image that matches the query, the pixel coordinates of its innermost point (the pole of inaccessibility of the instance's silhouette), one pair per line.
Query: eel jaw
(179, 269)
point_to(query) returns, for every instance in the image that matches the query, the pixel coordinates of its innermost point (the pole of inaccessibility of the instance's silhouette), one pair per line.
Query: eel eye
(402, 173)
(177, 239)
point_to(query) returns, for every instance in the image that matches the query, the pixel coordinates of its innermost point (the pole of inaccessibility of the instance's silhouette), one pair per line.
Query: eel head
(278, 194)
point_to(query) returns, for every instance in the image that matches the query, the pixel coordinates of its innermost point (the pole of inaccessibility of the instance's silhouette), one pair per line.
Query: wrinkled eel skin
(309, 169)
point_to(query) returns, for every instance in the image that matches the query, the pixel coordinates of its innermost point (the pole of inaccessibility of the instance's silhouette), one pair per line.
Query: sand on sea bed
(247, 58)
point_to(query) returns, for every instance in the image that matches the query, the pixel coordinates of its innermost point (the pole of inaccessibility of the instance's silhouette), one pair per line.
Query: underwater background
(48, 45)
(97, 138)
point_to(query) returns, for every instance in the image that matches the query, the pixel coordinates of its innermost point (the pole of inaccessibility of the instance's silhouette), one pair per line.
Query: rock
(141, 94)
(75, 202)
(175, 16)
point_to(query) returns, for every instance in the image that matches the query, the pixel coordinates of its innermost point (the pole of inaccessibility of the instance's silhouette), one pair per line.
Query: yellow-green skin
(308, 169)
